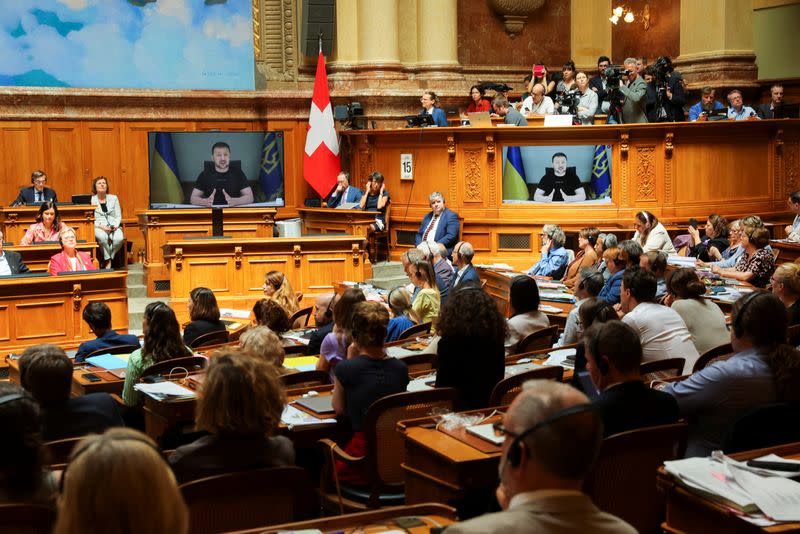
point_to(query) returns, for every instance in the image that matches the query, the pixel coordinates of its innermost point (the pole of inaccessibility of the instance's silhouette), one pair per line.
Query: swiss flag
(321, 159)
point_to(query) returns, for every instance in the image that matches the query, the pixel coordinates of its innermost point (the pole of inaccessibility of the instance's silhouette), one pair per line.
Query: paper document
(777, 497)
(546, 308)
(421, 383)
(293, 417)
(556, 296)
(521, 368)
(109, 361)
(234, 314)
(711, 479)
(560, 357)
(166, 390)
(486, 432)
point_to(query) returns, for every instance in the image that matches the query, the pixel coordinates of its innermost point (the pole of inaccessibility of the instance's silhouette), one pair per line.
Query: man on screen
(221, 185)
(559, 183)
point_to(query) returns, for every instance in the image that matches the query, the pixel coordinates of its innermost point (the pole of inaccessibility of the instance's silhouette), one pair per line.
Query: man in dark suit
(10, 262)
(344, 194)
(46, 372)
(767, 111)
(598, 83)
(323, 317)
(462, 259)
(613, 357)
(98, 316)
(440, 225)
(37, 192)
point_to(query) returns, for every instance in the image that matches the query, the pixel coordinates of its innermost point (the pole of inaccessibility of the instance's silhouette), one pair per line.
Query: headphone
(328, 310)
(5, 399)
(514, 454)
(590, 277)
(738, 325)
(647, 220)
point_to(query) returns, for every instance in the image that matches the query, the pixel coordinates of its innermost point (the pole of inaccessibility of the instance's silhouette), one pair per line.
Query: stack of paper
(682, 261)
(292, 417)
(562, 357)
(234, 314)
(556, 296)
(165, 391)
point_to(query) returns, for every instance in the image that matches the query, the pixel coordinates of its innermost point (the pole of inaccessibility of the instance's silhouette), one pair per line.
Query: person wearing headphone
(38, 192)
(613, 356)
(428, 301)
(589, 284)
(523, 297)
(552, 438)
(323, 318)
(762, 371)
(462, 259)
(402, 316)
(651, 234)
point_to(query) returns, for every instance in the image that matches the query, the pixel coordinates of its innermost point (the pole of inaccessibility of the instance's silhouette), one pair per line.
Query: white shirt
(5, 268)
(432, 232)
(663, 334)
(545, 107)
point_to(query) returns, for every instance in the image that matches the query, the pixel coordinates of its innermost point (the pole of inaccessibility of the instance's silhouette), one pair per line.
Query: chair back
(249, 499)
(119, 349)
(303, 315)
(764, 426)
(20, 518)
(792, 333)
(508, 388)
(386, 449)
(58, 451)
(306, 378)
(723, 352)
(210, 338)
(629, 460)
(540, 339)
(422, 328)
(190, 363)
(418, 362)
(660, 369)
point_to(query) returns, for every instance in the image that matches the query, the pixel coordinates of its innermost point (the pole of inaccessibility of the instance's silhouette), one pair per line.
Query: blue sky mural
(141, 44)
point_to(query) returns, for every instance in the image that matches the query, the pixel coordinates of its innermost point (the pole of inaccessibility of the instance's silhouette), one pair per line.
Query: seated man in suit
(552, 438)
(440, 225)
(48, 377)
(344, 194)
(10, 261)
(38, 192)
(613, 357)
(98, 316)
(767, 111)
(323, 318)
(462, 260)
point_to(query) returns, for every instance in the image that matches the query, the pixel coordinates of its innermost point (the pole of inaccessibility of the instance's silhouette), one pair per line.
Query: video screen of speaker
(216, 169)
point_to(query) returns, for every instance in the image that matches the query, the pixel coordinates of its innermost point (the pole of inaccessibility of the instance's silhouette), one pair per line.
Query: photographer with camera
(667, 87)
(701, 110)
(634, 91)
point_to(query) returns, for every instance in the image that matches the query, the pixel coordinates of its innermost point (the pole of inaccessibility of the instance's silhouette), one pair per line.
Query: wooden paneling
(21, 145)
(102, 153)
(662, 38)
(17, 220)
(63, 157)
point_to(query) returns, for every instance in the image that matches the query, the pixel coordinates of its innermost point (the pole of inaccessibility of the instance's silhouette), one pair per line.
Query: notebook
(108, 361)
(322, 404)
(480, 119)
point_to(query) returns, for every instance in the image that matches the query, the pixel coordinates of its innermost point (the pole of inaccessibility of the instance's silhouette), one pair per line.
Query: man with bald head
(552, 439)
(538, 103)
(323, 317)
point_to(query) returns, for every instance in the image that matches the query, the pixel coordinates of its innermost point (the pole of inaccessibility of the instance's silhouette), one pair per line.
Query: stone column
(378, 45)
(437, 39)
(717, 43)
(590, 32)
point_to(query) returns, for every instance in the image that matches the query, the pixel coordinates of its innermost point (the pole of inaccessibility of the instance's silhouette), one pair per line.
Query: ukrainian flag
(165, 187)
(271, 174)
(514, 186)
(601, 174)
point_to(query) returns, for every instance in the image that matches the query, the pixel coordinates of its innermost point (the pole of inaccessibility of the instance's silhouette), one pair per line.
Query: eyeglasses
(40, 181)
(500, 430)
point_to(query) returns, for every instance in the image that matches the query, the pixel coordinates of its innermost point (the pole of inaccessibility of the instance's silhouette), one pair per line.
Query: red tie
(429, 228)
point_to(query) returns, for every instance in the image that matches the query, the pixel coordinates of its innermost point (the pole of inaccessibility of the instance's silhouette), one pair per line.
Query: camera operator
(669, 94)
(635, 93)
(599, 85)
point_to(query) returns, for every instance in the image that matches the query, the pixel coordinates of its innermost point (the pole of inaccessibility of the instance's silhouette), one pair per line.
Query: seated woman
(376, 198)
(240, 405)
(651, 234)
(401, 313)
(119, 482)
(525, 315)
(587, 106)
(429, 107)
(269, 313)
(786, 286)
(703, 318)
(553, 262)
(470, 352)
(763, 370)
(264, 343)
(588, 286)
(756, 264)
(567, 82)
(277, 287)
(47, 226)
(593, 310)
(334, 346)
(604, 241)
(616, 261)
(585, 257)
(366, 376)
(714, 243)
(162, 342)
(204, 315)
(428, 302)
(730, 256)
(70, 258)
(23, 475)
(107, 220)
(477, 100)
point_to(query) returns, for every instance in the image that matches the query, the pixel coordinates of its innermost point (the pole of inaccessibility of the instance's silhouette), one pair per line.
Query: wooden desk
(17, 220)
(433, 515)
(37, 257)
(234, 269)
(336, 221)
(161, 226)
(48, 309)
(789, 251)
(80, 386)
(690, 512)
(498, 286)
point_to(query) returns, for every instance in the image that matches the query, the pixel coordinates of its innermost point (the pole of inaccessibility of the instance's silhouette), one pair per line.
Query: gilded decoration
(791, 165)
(276, 54)
(646, 173)
(472, 174)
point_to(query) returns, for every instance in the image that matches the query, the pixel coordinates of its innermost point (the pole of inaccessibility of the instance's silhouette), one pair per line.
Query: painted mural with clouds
(139, 44)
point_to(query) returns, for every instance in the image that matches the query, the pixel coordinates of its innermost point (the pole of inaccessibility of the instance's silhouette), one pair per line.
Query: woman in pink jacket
(69, 259)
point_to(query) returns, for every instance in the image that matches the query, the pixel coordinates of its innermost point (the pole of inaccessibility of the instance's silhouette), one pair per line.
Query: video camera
(614, 74)
(568, 100)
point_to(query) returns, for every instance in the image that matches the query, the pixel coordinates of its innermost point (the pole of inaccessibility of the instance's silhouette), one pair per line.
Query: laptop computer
(788, 111)
(81, 199)
(480, 119)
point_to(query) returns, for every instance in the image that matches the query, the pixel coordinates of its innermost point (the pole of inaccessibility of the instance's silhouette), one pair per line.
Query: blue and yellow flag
(271, 174)
(165, 186)
(514, 186)
(601, 174)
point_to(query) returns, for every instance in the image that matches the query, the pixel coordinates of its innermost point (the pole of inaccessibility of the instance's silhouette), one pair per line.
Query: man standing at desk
(221, 185)
(38, 192)
(440, 225)
(552, 438)
(344, 194)
(10, 262)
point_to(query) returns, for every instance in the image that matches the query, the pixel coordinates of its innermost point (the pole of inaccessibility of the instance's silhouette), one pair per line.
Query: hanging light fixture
(628, 17)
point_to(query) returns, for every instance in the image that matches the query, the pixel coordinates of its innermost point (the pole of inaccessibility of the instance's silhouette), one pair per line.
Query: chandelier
(627, 15)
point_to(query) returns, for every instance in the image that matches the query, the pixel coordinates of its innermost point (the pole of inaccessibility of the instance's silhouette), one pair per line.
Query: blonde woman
(786, 286)
(70, 258)
(428, 302)
(117, 483)
(401, 313)
(264, 343)
(278, 288)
